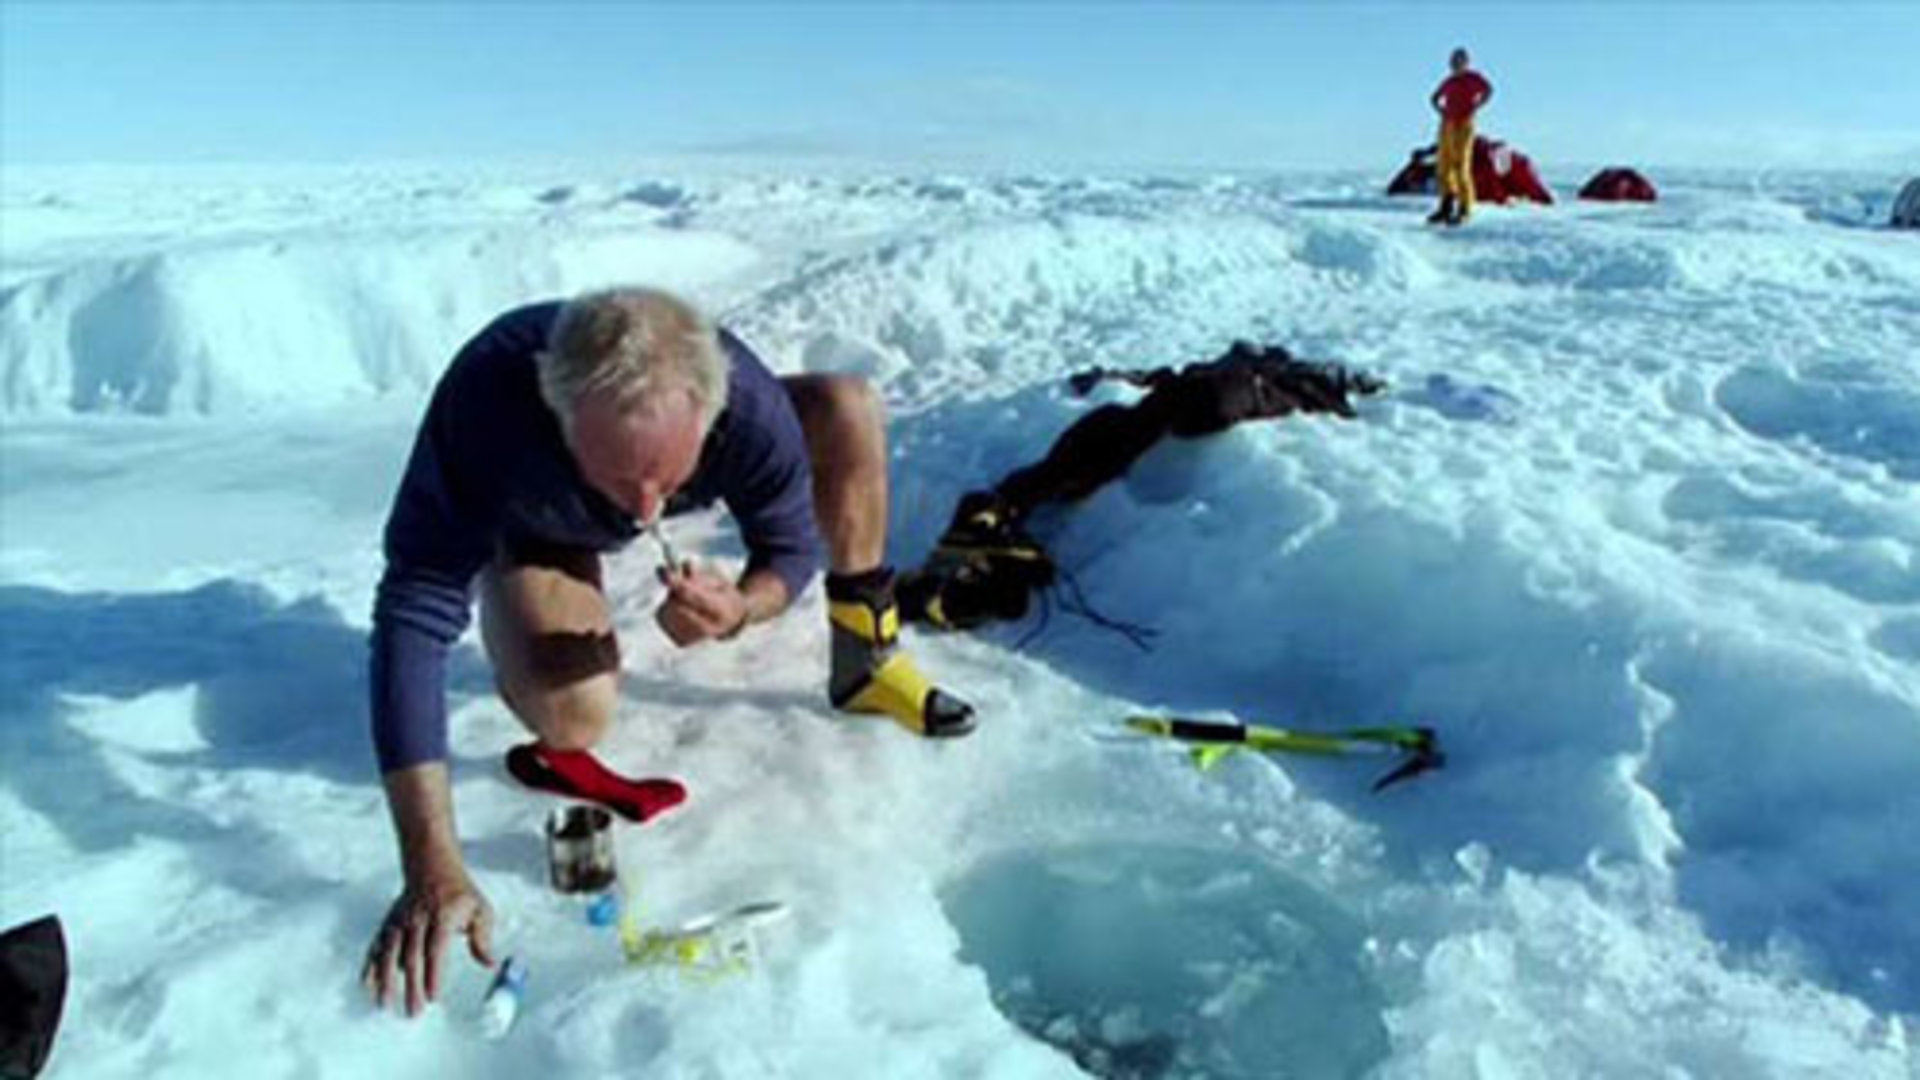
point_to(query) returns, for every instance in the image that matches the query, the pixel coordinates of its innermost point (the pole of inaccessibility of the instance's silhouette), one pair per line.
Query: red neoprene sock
(579, 774)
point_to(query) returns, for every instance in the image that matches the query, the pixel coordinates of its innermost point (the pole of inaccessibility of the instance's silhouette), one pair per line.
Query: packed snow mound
(304, 320)
(334, 312)
(1844, 410)
(1692, 257)
(1322, 529)
(1538, 954)
(940, 315)
(955, 304)
(1097, 271)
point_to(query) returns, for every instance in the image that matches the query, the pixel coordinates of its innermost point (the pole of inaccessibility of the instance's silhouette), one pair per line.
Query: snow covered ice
(1637, 528)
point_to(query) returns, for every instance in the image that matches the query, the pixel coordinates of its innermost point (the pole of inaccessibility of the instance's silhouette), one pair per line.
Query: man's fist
(700, 606)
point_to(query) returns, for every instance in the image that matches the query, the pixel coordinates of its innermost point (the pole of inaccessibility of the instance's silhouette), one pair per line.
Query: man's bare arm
(421, 801)
(438, 899)
(766, 595)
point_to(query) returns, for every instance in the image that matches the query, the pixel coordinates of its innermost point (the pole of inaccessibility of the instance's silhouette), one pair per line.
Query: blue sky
(1020, 85)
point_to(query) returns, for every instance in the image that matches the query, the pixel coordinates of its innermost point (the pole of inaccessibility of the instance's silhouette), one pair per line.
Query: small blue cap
(605, 910)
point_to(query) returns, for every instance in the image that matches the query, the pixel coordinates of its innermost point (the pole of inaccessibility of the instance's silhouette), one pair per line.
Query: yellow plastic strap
(880, 628)
(995, 551)
(897, 690)
(937, 613)
(1210, 754)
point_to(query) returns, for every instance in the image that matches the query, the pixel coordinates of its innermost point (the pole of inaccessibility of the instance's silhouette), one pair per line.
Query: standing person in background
(1458, 98)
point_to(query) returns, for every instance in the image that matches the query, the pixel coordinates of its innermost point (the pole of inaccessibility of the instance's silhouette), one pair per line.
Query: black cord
(1075, 603)
(1046, 616)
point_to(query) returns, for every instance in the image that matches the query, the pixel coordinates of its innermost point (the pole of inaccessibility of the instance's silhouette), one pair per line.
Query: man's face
(640, 456)
(1458, 61)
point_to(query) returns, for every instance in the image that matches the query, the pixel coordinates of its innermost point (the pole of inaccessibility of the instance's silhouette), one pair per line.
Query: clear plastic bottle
(502, 1003)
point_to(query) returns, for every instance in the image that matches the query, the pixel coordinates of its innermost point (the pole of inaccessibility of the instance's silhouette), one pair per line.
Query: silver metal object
(667, 552)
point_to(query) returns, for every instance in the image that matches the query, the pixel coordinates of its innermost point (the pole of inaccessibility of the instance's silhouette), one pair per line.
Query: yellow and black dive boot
(984, 568)
(871, 673)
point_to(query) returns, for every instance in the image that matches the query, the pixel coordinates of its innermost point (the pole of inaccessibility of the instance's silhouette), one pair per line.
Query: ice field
(1636, 528)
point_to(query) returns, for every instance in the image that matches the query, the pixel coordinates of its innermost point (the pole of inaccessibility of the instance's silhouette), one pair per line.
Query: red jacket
(1461, 95)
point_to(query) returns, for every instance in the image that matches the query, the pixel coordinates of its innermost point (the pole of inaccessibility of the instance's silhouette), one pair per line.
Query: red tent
(1619, 185)
(1500, 174)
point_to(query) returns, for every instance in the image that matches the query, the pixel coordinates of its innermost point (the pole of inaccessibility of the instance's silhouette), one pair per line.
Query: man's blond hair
(637, 342)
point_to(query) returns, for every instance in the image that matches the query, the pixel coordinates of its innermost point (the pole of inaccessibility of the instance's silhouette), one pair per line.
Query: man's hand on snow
(408, 949)
(700, 606)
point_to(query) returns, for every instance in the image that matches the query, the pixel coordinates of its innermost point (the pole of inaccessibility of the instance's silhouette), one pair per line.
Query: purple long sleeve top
(490, 466)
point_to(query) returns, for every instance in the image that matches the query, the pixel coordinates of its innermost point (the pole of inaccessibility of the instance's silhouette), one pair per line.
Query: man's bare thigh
(546, 624)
